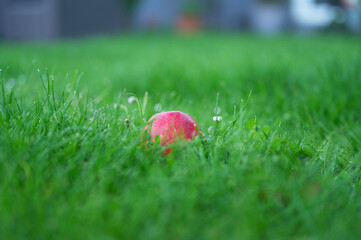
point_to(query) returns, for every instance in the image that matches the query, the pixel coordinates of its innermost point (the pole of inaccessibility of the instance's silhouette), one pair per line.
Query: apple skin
(172, 126)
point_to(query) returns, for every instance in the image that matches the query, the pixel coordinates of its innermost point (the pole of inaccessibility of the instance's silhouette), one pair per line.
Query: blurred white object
(308, 14)
(217, 118)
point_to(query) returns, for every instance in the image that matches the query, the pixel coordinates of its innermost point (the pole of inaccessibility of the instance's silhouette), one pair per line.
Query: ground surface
(71, 166)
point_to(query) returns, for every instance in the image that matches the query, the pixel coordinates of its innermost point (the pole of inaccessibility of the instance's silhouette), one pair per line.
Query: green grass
(72, 166)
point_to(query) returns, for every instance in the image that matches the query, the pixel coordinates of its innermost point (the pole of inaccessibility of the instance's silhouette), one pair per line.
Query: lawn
(72, 165)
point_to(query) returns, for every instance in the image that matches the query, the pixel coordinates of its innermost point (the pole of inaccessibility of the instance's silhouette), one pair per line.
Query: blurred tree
(189, 19)
(192, 8)
(274, 1)
(127, 7)
(341, 3)
(130, 4)
(331, 2)
(347, 14)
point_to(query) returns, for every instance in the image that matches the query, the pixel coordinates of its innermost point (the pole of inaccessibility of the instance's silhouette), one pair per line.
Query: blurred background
(22, 20)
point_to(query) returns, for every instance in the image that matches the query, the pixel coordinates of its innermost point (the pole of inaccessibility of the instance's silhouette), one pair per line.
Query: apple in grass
(171, 127)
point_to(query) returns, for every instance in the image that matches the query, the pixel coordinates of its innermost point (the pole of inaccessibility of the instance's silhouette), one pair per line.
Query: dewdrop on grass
(132, 99)
(217, 118)
(211, 130)
(217, 110)
(157, 107)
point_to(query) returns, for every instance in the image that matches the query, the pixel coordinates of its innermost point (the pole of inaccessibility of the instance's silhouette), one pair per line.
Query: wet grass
(283, 162)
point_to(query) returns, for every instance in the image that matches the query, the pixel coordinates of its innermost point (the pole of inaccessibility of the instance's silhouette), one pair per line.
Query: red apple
(172, 126)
